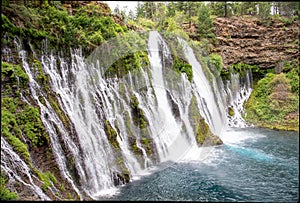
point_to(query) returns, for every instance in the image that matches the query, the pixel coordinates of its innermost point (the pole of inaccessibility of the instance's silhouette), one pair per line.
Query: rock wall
(252, 41)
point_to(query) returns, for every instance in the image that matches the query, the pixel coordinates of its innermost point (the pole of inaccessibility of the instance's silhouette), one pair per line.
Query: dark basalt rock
(120, 178)
(174, 105)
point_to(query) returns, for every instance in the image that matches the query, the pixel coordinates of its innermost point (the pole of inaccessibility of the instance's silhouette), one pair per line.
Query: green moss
(183, 67)
(128, 124)
(10, 130)
(131, 62)
(51, 97)
(62, 188)
(203, 135)
(6, 194)
(111, 134)
(70, 197)
(180, 64)
(139, 118)
(272, 103)
(136, 150)
(20, 118)
(225, 74)
(32, 126)
(46, 178)
(11, 71)
(204, 59)
(242, 68)
(230, 111)
(124, 175)
(88, 27)
(41, 78)
(202, 131)
(215, 63)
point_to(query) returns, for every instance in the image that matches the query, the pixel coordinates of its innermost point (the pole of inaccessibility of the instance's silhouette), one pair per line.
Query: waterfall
(238, 90)
(206, 93)
(113, 128)
(168, 132)
(18, 171)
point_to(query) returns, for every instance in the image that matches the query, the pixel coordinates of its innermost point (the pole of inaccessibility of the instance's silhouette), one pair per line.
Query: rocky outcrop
(252, 41)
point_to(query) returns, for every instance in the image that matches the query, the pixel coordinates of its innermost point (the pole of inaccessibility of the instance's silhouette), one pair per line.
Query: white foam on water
(231, 136)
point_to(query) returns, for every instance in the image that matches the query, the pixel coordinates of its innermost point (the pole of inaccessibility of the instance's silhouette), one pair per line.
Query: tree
(220, 9)
(149, 8)
(249, 8)
(140, 12)
(205, 23)
(264, 9)
(192, 11)
(160, 15)
(117, 10)
(171, 8)
(131, 15)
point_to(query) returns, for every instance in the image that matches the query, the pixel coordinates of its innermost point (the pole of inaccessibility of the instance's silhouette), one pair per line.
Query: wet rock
(173, 104)
(120, 178)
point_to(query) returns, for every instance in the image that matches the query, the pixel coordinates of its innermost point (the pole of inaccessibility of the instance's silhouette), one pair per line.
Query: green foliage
(293, 75)
(215, 63)
(139, 118)
(12, 71)
(264, 9)
(6, 194)
(183, 67)
(10, 129)
(145, 23)
(272, 101)
(88, 27)
(20, 117)
(218, 8)
(46, 178)
(111, 134)
(131, 62)
(242, 68)
(205, 23)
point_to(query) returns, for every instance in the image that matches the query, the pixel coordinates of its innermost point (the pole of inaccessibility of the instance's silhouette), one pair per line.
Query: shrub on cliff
(272, 101)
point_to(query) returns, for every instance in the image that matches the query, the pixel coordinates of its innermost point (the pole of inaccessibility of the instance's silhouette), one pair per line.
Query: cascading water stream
(211, 109)
(238, 91)
(48, 112)
(94, 105)
(168, 131)
(18, 170)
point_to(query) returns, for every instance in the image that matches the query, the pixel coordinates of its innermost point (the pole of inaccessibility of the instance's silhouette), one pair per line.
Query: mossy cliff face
(22, 128)
(21, 125)
(203, 135)
(87, 26)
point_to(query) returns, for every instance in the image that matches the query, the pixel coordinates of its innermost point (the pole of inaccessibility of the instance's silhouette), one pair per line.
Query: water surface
(254, 164)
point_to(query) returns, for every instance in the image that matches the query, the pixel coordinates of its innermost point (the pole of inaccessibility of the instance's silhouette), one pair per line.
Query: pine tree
(264, 9)
(205, 23)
